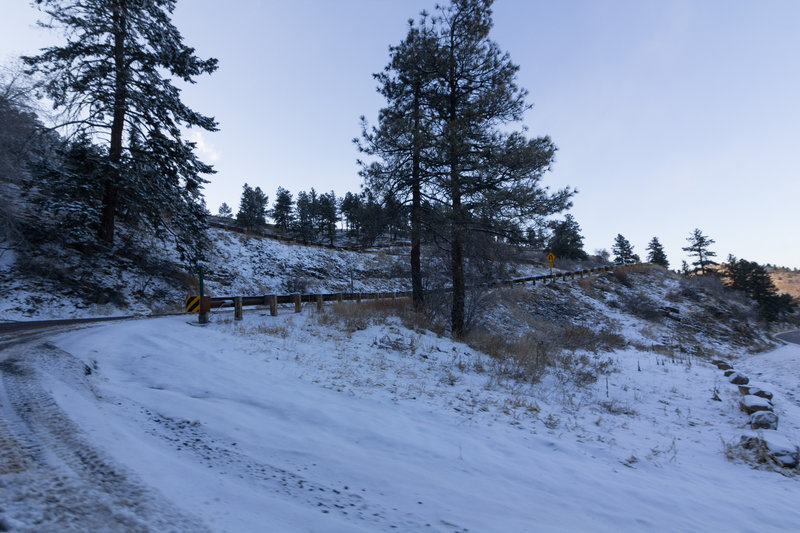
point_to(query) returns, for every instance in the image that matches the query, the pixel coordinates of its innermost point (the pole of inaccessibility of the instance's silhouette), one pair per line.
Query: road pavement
(790, 336)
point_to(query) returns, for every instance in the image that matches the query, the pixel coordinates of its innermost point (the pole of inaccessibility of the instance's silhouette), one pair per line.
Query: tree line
(742, 275)
(313, 217)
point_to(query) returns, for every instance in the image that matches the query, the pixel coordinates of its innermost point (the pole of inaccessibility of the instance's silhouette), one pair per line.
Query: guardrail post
(237, 308)
(358, 297)
(339, 297)
(394, 295)
(273, 305)
(297, 303)
(205, 308)
(320, 301)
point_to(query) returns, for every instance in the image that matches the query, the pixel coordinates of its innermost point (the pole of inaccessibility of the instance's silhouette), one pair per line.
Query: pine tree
(69, 205)
(566, 241)
(623, 251)
(372, 219)
(350, 207)
(282, 209)
(754, 280)
(225, 211)
(444, 140)
(110, 80)
(656, 254)
(395, 216)
(252, 208)
(403, 134)
(328, 214)
(699, 247)
(304, 222)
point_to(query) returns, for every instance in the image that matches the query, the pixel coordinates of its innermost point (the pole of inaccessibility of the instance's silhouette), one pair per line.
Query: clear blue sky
(669, 115)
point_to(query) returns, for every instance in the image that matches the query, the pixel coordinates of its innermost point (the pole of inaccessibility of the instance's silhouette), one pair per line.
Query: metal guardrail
(271, 301)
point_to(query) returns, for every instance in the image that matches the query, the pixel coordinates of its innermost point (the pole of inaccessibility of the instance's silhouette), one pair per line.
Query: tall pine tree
(699, 247)
(623, 251)
(452, 96)
(113, 80)
(252, 208)
(656, 254)
(566, 240)
(403, 134)
(282, 209)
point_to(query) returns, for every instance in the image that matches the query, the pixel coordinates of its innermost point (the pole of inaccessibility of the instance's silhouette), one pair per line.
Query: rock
(729, 372)
(750, 404)
(772, 446)
(738, 379)
(722, 364)
(764, 420)
(755, 391)
(761, 393)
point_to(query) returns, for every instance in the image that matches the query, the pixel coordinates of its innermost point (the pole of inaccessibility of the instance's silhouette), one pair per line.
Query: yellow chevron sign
(192, 304)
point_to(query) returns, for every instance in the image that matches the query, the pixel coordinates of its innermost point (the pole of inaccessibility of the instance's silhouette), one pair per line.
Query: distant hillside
(787, 280)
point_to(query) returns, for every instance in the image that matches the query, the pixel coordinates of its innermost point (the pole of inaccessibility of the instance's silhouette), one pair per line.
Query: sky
(668, 115)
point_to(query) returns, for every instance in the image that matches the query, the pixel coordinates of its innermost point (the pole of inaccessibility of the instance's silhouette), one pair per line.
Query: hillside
(354, 419)
(787, 280)
(583, 404)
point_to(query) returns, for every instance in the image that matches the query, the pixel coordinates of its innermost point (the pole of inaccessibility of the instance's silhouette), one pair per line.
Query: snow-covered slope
(295, 423)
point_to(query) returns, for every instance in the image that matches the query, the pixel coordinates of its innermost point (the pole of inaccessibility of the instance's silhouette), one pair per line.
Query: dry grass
(352, 316)
(787, 281)
(529, 357)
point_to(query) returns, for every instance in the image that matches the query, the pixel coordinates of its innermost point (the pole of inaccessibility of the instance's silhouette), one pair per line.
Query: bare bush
(641, 305)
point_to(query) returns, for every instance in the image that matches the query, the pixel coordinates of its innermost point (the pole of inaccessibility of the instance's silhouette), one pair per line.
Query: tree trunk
(457, 231)
(114, 177)
(416, 211)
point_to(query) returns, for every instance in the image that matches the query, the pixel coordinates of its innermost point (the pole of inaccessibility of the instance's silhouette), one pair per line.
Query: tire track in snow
(51, 477)
(189, 438)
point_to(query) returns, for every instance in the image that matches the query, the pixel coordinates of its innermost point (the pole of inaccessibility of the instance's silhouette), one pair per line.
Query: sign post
(550, 258)
(205, 303)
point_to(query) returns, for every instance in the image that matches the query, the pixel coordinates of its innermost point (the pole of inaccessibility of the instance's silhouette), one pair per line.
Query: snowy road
(790, 336)
(284, 424)
(51, 477)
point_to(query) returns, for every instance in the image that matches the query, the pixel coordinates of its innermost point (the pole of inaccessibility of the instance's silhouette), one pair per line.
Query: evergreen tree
(754, 280)
(394, 216)
(372, 220)
(328, 214)
(623, 251)
(656, 254)
(225, 211)
(699, 247)
(477, 174)
(70, 204)
(304, 222)
(351, 207)
(537, 237)
(404, 133)
(252, 208)
(484, 173)
(282, 209)
(566, 241)
(110, 78)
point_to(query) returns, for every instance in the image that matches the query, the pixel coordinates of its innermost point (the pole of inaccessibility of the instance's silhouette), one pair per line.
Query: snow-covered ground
(291, 423)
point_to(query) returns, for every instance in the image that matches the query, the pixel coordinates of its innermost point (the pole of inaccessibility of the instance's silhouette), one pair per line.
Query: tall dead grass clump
(552, 347)
(354, 316)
